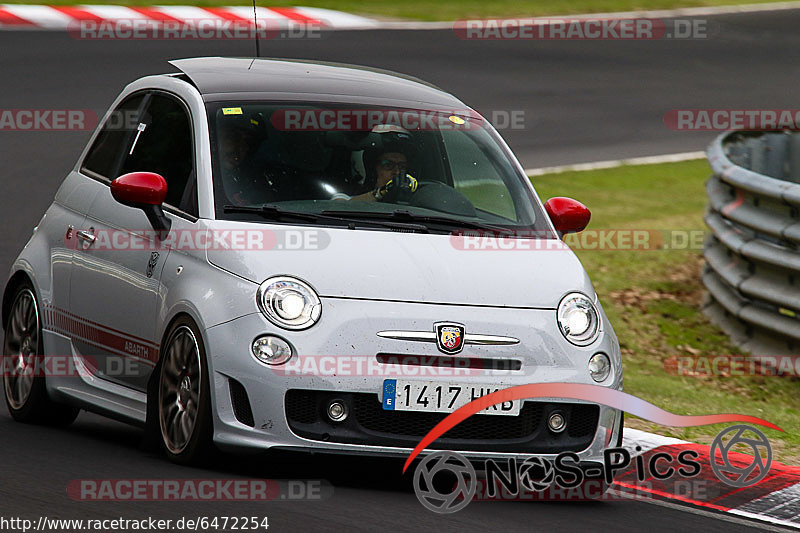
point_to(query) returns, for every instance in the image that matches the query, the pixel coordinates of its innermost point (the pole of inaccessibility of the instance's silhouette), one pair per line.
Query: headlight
(578, 319)
(289, 303)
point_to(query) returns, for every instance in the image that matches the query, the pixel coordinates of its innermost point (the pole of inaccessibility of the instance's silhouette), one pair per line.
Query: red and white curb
(22, 16)
(43, 17)
(775, 499)
(19, 16)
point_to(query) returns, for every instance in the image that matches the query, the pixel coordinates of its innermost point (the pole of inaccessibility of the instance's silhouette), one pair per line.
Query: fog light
(271, 350)
(557, 422)
(599, 367)
(337, 411)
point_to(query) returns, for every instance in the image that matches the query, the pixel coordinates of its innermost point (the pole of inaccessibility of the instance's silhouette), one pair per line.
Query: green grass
(440, 9)
(652, 298)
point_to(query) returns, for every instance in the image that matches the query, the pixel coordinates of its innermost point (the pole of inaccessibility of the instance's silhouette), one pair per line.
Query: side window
(162, 143)
(106, 152)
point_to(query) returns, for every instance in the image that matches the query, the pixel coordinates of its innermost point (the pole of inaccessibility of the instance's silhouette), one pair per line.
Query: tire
(23, 354)
(183, 396)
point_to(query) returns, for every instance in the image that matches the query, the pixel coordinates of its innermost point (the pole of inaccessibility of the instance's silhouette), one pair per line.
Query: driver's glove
(402, 186)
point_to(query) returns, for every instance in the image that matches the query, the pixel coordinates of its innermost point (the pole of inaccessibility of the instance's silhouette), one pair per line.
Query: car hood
(405, 267)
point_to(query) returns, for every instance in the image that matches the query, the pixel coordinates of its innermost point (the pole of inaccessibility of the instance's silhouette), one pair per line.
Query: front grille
(368, 423)
(301, 406)
(583, 421)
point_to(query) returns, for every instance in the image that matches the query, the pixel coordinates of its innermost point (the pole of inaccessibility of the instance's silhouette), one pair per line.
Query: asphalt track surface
(582, 101)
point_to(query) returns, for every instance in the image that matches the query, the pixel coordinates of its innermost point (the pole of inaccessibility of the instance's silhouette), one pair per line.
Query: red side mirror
(568, 215)
(146, 191)
(138, 189)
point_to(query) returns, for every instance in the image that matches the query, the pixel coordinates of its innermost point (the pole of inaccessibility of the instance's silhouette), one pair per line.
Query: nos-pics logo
(446, 482)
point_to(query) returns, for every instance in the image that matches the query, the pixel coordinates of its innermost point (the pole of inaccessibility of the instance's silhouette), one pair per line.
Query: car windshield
(327, 164)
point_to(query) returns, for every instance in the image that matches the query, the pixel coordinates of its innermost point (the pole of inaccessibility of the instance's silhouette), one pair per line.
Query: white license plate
(438, 397)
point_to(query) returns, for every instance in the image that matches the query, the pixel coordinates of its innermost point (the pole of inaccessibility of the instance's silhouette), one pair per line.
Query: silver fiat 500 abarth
(280, 254)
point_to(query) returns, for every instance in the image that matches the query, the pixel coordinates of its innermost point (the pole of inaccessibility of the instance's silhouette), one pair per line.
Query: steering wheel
(437, 196)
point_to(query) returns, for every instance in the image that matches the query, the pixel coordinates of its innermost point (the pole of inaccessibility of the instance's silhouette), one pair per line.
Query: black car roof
(225, 78)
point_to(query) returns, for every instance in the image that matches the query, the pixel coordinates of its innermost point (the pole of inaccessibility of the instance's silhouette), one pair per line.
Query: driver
(386, 167)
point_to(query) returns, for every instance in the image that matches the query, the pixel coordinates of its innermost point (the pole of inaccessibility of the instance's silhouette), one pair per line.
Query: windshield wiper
(401, 215)
(271, 212)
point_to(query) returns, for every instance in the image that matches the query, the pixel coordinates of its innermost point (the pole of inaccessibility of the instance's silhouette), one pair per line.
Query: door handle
(86, 236)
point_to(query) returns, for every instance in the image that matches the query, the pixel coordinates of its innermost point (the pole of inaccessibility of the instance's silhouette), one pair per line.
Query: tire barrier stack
(752, 254)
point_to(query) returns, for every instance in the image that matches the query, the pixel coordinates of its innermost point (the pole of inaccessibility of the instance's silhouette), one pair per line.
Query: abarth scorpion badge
(449, 337)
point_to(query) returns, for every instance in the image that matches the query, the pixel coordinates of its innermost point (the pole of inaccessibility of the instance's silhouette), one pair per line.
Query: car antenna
(255, 21)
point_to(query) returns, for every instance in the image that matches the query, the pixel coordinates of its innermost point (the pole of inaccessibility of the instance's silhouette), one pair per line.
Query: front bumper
(258, 406)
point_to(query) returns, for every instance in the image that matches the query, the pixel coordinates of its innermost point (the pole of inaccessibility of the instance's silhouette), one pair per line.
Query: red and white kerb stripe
(24, 16)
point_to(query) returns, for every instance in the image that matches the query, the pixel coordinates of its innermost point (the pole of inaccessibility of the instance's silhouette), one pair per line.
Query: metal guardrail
(752, 254)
